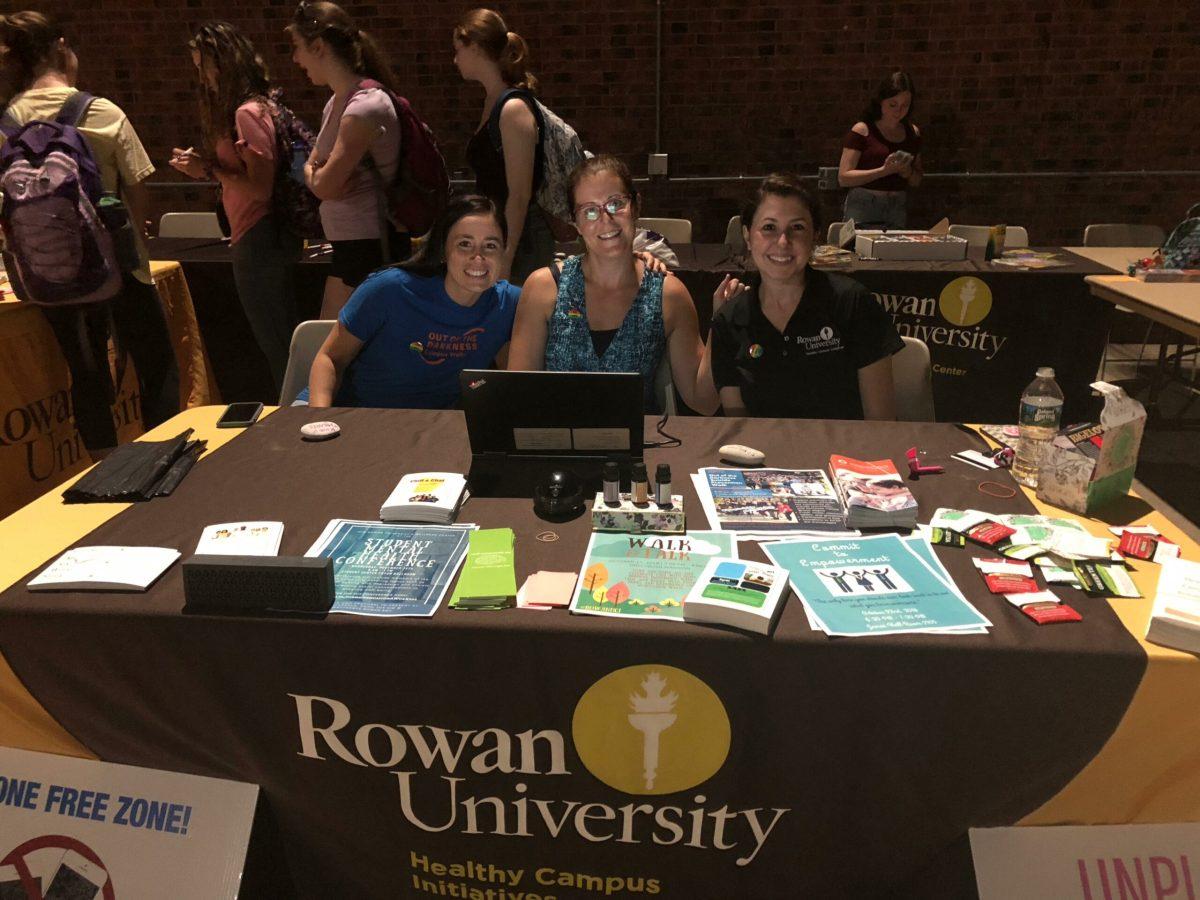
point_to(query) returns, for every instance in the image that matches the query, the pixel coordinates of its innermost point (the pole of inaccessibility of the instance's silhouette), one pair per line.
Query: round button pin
(319, 431)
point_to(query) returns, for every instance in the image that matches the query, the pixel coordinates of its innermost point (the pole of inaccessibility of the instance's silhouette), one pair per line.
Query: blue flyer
(386, 569)
(871, 585)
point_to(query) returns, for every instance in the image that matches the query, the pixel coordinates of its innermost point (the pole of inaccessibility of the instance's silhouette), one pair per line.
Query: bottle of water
(1041, 414)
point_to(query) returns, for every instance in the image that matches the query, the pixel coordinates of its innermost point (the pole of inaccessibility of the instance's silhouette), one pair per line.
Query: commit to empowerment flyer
(383, 569)
(872, 585)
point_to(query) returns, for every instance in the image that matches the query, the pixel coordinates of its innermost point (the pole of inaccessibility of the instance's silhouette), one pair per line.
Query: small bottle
(639, 485)
(1039, 420)
(612, 484)
(662, 485)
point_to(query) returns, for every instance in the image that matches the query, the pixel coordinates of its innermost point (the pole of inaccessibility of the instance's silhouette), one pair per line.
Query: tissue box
(1089, 466)
(645, 519)
(909, 245)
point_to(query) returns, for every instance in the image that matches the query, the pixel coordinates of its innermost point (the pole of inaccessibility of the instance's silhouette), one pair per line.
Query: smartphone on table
(76, 879)
(240, 415)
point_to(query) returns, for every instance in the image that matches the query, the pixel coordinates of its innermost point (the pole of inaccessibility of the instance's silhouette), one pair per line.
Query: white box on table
(909, 245)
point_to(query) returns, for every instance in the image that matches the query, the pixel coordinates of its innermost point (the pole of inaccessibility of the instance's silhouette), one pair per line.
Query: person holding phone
(408, 330)
(511, 172)
(607, 311)
(881, 157)
(359, 131)
(801, 343)
(237, 123)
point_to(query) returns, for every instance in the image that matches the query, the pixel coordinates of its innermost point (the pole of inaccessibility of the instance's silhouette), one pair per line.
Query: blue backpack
(58, 249)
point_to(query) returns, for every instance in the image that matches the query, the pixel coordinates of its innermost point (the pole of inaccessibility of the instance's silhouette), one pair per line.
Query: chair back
(734, 239)
(664, 385)
(833, 234)
(190, 225)
(676, 231)
(1015, 236)
(912, 376)
(975, 235)
(1122, 235)
(306, 341)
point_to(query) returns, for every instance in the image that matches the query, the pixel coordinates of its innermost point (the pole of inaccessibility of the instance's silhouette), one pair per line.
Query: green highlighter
(488, 580)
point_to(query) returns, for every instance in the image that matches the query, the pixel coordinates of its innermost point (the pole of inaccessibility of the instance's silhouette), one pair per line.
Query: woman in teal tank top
(605, 312)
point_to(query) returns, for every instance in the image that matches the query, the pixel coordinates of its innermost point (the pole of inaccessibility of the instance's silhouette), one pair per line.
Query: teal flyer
(871, 585)
(385, 569)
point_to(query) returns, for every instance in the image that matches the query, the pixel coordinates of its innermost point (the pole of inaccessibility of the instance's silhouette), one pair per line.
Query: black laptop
(524, 425)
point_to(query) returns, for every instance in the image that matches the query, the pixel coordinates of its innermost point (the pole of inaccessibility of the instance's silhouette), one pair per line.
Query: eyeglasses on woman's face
(614, 206)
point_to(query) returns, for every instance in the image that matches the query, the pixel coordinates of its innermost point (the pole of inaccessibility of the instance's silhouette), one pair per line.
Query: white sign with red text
(1088, 862)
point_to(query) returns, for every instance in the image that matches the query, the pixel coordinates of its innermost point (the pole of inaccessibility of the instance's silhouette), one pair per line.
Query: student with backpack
(507, 151)
(246, 148)
(82, 147)
(375, 166)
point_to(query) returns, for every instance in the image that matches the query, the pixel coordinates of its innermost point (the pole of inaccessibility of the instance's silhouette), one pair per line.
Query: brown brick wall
(1073, 86)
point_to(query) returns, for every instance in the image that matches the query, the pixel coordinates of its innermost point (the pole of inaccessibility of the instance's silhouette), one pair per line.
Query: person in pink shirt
(359, 132)
(240, 151)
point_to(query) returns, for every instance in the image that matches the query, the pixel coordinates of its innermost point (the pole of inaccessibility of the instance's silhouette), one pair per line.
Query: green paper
(488, 580)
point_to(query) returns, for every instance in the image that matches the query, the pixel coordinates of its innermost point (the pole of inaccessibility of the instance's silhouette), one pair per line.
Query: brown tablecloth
(881, 752)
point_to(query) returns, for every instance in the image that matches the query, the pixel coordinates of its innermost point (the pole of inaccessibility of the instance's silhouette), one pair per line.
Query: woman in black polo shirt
(801, 343)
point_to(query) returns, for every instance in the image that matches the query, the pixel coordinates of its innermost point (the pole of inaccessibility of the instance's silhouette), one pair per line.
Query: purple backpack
(58, 251)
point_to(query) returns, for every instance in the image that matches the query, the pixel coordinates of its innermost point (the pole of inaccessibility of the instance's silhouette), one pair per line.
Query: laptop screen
(565, 414)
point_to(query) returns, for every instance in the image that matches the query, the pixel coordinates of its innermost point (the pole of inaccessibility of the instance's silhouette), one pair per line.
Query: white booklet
(241, 539)
(1175, 617)
(105, 569)
(737, 592)
(425, 497)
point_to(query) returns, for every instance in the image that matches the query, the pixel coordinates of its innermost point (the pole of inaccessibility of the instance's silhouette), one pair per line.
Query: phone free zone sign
(74, 829)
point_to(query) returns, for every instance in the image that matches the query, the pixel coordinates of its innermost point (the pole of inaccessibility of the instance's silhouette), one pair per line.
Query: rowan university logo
(651, 730)
(965, 301)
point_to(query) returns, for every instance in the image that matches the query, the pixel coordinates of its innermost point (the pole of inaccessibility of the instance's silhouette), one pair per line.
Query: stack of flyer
(746, 595)
(756, 504)
(881, 584)
(432, 497)
(873, 493)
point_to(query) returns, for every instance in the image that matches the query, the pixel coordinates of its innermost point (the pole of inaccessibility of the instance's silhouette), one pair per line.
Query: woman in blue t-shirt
(407, 331)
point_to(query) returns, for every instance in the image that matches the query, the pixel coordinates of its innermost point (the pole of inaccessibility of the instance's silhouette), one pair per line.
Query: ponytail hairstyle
(241, 75)
(485, 28)
(31, 46)
(896, 83)
(356, 48)
(430, 260)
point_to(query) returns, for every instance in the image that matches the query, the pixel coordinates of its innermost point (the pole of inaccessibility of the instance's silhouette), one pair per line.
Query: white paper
(106, 568)
(241, 539)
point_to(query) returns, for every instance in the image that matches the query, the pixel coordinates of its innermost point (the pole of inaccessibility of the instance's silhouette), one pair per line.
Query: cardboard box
(1088, 466)
(645, 519)
(909, 245)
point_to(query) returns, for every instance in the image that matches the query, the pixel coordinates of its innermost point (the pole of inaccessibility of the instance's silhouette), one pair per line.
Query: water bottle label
(1040, 416)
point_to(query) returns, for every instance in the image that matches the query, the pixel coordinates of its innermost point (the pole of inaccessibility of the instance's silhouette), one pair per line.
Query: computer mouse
(558, 497)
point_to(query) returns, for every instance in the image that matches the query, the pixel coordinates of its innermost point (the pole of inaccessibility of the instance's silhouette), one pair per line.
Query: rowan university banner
(650, 735)
(987, 334)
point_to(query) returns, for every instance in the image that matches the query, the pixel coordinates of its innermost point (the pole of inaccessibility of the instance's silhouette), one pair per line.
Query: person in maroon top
(881, 157)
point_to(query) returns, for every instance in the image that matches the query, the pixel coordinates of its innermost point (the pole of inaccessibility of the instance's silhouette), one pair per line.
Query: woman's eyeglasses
(614, 206)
